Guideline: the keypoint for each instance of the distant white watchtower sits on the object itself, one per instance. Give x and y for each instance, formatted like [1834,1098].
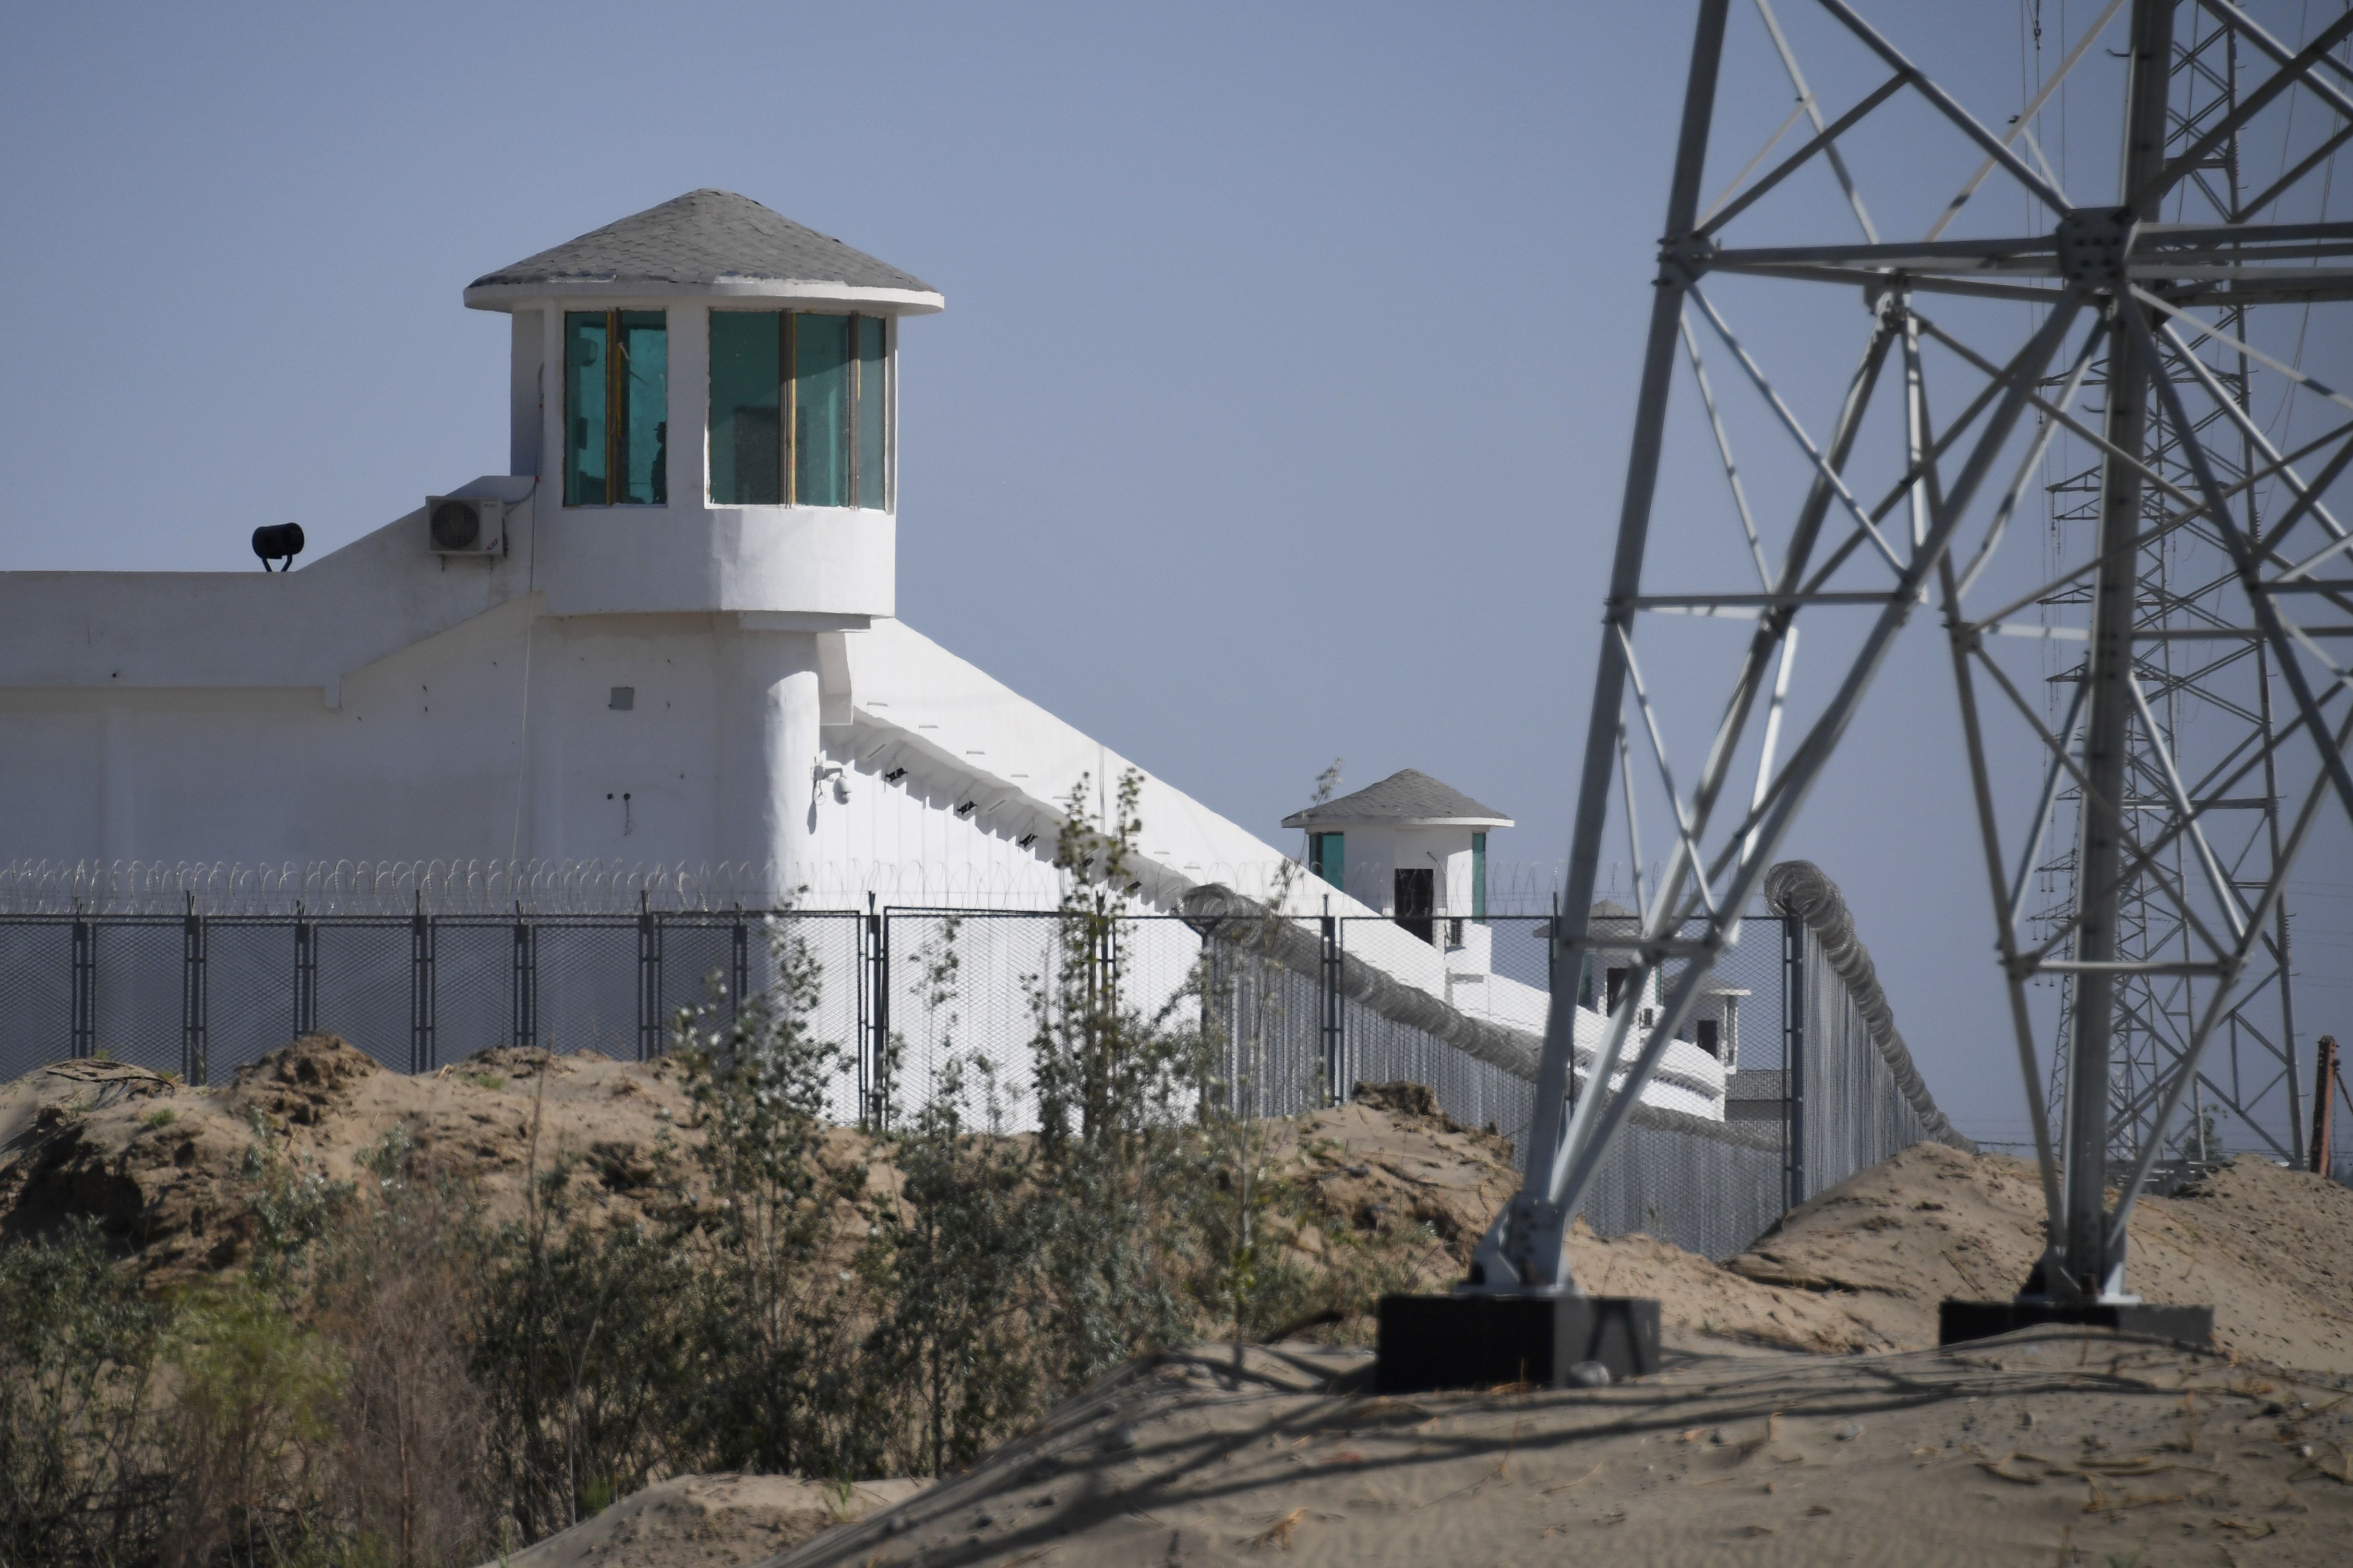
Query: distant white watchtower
[1410,846]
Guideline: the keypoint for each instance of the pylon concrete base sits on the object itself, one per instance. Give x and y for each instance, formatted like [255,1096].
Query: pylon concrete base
[1430,1342]
[1957,1321]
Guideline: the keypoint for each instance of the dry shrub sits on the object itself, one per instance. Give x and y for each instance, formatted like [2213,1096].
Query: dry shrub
[397,1301]
[252,1388]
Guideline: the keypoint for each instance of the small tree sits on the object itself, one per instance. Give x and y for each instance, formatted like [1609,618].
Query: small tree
[584,1352]
[1114,1086]
[249,1418]
[959,1251]
[1249,1283]
[780,1390]
[397,1299]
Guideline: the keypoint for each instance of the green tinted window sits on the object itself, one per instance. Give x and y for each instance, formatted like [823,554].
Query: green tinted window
[584,367]
[1479,877]
[616,407]
[747,453]
[800,409]
[872,412]
[822,377]
[1328,856]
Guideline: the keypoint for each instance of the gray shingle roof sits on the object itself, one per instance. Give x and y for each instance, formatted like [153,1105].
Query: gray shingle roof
[699,238]
[1405,797]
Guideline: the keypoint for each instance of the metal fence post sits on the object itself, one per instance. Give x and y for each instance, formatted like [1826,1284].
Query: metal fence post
[739,965]
[1794,937]
[870,943]
[1333,1091]
[306,975]
[649,966]
[2323,1099]
[871,1089]
[1108,958]
[526,981]
[85,988]
[1208,970]
[192,999]
[422,1045]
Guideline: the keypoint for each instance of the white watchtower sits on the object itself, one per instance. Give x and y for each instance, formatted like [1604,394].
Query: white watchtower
[1410,846]
[705,392]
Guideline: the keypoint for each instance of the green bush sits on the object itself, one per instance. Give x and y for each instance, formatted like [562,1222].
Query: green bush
[81,1475]
[584,1351]
[956,1258]
[254,1398]
[779,1389]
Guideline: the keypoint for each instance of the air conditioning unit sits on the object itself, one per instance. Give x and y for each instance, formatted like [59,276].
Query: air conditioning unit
[465,525]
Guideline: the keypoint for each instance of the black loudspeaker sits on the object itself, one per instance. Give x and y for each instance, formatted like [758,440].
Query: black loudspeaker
[278,542]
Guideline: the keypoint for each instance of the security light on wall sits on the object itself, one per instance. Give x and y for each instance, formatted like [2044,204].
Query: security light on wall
[465,525]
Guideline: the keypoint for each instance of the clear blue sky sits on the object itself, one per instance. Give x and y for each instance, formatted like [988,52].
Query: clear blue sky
[1279,411]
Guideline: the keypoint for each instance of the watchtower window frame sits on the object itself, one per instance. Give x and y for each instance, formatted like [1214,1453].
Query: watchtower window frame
[800,409]
[616,409]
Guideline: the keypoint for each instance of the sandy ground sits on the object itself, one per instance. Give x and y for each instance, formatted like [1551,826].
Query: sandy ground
[709,1522]
[2051,1448]
[1371,1165]
[163,1168]
[2270,1249]
[2046,1448]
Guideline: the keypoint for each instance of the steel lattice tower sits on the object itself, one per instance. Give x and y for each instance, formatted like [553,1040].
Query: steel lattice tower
[2225,691]
[2153,331]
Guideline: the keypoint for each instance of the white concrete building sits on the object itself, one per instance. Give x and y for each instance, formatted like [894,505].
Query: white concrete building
[666,635]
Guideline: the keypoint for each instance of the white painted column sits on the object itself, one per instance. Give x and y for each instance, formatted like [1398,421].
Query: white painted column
[527,387]
[768,755]
[549,502]
[690,405]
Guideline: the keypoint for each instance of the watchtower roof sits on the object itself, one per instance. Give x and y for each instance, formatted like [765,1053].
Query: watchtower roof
[706,242]
[1408,798]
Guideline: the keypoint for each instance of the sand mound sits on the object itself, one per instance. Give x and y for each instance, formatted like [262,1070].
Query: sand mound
[2052,1448]
[162,1167]
[2272,1249]
[715,1521]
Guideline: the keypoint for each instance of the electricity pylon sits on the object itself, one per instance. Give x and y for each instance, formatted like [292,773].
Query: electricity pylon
[2225,690]
[1982,343]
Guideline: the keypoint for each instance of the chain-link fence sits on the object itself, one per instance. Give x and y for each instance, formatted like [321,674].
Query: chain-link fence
[1787,1076]
[201,996]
